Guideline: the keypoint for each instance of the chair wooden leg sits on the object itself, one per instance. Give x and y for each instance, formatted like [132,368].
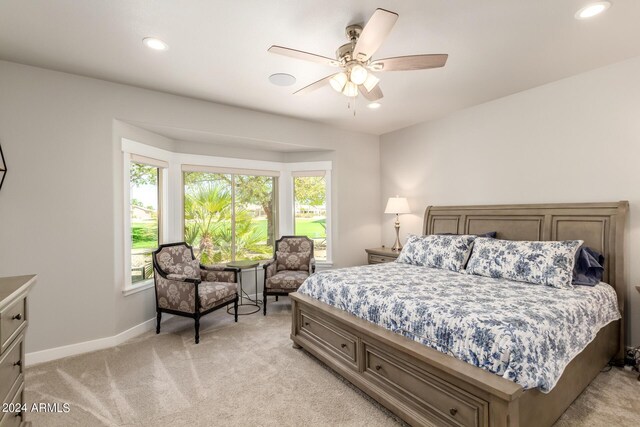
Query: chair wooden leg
[158,320]
[276,297]
[264,303]
[235,308]
[197,318]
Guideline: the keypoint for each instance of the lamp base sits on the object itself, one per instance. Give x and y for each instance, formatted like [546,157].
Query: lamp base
[397,246]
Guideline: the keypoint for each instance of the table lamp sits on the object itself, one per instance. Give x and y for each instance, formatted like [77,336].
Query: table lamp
[397,205]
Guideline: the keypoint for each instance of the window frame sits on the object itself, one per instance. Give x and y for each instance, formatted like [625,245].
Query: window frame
[137,153]
[304,168]
[326,176]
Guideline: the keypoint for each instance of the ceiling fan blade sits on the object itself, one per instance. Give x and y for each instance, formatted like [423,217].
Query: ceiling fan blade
[374,33]
[372,95]
[411,62]
[313,86]
[305,56]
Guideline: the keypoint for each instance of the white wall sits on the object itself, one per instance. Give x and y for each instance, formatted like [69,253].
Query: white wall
[575,140]
[61,205]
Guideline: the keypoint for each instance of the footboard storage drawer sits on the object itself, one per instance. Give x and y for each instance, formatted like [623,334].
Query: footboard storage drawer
[431,397]
[341,342]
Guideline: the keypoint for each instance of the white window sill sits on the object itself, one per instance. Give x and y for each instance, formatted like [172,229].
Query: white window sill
[138,287]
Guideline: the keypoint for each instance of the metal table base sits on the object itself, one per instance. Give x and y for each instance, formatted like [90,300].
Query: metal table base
[255,303]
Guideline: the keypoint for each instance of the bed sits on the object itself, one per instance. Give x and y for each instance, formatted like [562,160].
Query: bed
[429,386]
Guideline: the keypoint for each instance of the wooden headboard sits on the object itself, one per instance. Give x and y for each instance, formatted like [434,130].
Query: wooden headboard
[600,225]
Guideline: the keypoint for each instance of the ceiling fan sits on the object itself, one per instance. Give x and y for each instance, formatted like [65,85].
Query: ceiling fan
[355,59]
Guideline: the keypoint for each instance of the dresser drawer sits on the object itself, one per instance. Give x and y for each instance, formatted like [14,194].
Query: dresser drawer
[12,319]
[378,259]
[343,343]
[10,368]
[427,394]
[13,419]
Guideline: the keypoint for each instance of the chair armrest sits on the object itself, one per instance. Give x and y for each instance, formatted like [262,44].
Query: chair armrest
[269,268]
[268,263]
[219,273]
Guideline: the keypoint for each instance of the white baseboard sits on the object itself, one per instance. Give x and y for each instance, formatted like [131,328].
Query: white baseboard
[101,343]
[93,345]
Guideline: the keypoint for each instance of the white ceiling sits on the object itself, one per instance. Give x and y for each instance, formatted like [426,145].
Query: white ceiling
[218,49]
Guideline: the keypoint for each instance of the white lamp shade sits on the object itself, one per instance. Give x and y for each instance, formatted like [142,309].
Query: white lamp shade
[358,74]
[338,81]
[350,90]
[397,205]
[371,82]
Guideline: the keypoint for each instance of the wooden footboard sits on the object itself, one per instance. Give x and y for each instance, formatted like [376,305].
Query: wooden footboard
[425,387]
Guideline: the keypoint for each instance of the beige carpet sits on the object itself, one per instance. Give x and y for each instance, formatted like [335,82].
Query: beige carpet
[244,374]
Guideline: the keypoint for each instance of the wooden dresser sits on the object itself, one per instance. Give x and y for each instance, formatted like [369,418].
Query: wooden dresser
[379,255]
[13,324]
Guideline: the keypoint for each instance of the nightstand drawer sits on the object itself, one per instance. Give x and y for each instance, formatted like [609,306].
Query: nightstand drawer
[377,259]
[12,319]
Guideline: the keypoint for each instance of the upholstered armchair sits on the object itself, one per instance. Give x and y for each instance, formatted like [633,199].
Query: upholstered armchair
[184,287]
[292,263]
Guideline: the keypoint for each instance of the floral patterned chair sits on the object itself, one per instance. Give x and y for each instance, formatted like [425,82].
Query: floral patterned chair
[184,287]
[292,263]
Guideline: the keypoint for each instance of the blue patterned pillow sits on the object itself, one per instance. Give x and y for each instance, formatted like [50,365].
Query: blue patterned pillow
[545,263]
[437,251]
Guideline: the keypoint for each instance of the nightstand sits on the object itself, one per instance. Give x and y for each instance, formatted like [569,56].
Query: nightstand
[380,255]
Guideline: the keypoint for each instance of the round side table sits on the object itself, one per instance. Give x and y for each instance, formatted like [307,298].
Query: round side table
[255,303]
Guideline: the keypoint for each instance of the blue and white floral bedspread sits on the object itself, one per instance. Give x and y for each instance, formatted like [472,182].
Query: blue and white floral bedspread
[523,332]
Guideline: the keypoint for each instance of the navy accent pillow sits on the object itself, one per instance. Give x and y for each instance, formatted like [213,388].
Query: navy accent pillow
[489,234]
[588,268]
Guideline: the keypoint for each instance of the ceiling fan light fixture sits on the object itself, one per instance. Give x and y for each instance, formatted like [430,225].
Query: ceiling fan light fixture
[358,74]
[350,90]
[370,82]
[338,82]
[593,9]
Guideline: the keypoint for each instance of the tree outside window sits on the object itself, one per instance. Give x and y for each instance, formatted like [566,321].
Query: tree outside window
[229,217]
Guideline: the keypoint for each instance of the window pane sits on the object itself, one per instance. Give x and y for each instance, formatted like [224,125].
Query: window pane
[255,217]
[144,219]
[207,215]
[311,212]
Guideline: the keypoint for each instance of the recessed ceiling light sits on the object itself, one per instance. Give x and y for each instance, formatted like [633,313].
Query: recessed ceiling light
[593,9]
[374,105]
[282,79]
[155,44]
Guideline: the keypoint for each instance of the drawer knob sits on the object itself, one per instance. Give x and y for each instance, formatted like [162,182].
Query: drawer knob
[18,363]
[378,367]
[453,411]
[343,345]
[306,323]
[17,317]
